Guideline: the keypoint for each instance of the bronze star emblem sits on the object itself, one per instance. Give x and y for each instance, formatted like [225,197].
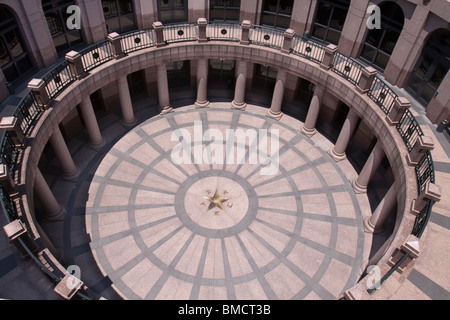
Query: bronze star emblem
[216,201]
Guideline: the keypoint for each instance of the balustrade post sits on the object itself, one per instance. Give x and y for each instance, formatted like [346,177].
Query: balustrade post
[15,230]
[245,32]
[40,93]
[327,62]
[365,81]
[158,27]
[116,46]
[431,192]
[202,23]
[397,111]
[7,182]
[76,64]
[12,126]
[411,246]
[287,42]
[422,145]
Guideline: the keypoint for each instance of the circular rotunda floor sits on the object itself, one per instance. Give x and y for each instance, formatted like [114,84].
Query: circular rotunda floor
[172,215]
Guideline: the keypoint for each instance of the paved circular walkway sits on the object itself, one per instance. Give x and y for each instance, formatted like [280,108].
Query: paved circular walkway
[178,209]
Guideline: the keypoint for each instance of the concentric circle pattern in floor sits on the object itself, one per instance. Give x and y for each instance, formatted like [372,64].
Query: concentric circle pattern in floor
[166,224]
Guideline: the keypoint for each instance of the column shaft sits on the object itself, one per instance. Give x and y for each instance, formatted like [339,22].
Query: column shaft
[239,91]
[277,99]
[69,169]
[53,211]
[338,152]
[202,84]
[126,105]
[163,89]
[370,167]
[376,222]
[90,120]
[309,127]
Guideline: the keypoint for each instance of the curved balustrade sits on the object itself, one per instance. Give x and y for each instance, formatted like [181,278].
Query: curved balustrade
[54,82]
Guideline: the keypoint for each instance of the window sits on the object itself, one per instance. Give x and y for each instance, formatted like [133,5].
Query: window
[221,74]
[14,57]
[277,13]
[431,68]
[56,16]
[119,15]
[264,78]
[179,74]
[225,10]
[171,11]
[380,43]
[329,20]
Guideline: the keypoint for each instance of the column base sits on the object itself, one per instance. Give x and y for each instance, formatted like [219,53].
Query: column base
[201,104]
[97,146]
[357,187]
[275,116]
[72,176]
[369,228]
[337,156]
[166,110]
[237,106]
[307,132]
[129,123]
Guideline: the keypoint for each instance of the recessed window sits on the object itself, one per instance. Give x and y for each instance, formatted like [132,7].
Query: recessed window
[171,11]
[431,68]
[329,20]
[224,10]
[264,77]
[221,73]
[14,57]
[119,15]
[380,43]
[56,16]
[277,13]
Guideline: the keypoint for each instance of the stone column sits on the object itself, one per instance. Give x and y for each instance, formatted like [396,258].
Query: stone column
[239,92]
[53,211]
[202,84]
[163,89]
[90,120]
[70,171]
[309,127]
[375,223]
[338,152]
[373,162]
[128,118]
[277,100]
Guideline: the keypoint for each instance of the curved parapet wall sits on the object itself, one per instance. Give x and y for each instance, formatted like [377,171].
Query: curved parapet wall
[54,96]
